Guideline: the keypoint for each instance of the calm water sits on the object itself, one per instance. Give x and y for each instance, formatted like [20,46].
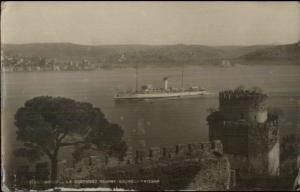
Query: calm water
[163,122]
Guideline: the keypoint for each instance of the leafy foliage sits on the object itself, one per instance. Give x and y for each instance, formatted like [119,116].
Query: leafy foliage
[46,124]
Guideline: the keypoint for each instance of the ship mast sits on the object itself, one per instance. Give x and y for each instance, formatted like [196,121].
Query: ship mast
[182,77]
[136,78]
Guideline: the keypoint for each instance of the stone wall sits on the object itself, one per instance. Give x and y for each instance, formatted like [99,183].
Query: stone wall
[263,149]
[255,141]
[249,134]
[152,154]
[196,166]
[273,160]
[238,104]
[199,166]
[215,175]
[157,153]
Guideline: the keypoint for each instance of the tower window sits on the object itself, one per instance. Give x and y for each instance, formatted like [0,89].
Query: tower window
[164,151]
[90,161]
[190,147]
[106,160]
[242,116]
[177,149]
[150,153]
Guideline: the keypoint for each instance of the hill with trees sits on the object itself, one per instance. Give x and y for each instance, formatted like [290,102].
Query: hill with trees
[280,52]
[158,55]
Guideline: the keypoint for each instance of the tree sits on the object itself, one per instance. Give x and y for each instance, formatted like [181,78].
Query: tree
[256,89]
[240,88]
[46,124]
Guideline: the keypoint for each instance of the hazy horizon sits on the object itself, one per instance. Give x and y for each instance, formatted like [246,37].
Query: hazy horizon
[270,44]
[151,23]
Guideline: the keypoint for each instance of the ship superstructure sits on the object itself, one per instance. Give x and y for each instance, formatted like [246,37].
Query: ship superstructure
[149,92]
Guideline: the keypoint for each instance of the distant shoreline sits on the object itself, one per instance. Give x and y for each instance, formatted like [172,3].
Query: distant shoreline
[73,57]
[157,66]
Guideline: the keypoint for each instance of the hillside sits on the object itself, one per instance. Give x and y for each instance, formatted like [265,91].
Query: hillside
[151,54]
[116,53]
[127,53]
[280,52]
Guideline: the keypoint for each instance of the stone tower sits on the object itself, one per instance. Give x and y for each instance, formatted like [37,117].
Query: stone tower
[250,134]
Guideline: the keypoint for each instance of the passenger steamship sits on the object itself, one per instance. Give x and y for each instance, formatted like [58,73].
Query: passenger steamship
[148,92]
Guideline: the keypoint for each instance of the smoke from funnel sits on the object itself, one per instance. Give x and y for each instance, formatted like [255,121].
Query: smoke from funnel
[165,83]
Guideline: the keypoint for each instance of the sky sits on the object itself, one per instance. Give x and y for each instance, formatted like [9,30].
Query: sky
[205,23]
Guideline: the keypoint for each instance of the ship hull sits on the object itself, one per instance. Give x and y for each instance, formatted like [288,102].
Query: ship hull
[141,96]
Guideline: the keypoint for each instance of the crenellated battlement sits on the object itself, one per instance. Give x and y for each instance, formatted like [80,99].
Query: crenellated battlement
[192,151]
[240,98]
[268,123]
[200,164]
[159,153]
[230,95]
[239,104]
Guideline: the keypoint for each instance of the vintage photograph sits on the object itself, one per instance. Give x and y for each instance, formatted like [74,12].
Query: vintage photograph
[150,96]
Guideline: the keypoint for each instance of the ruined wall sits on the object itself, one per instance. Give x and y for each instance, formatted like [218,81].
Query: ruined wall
[207,173]
[195,166]
[264,148]
[274,162]
[252,147]
[191,166]
[240,164]
[187,150]
[153,154]
[88,168]
[215,175]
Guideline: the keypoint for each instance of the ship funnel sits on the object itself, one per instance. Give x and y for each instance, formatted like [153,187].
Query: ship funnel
[166,82]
